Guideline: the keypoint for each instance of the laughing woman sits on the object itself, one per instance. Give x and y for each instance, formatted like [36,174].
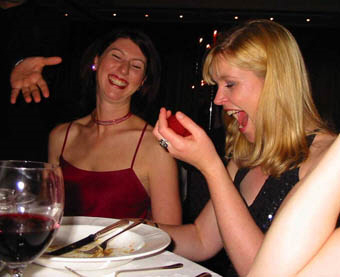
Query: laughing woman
[111,161]
[274,137]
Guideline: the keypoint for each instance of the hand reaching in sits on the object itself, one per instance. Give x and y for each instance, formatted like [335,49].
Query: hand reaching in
[27,77]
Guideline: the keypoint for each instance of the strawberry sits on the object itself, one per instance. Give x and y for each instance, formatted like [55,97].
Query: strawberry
[174,124]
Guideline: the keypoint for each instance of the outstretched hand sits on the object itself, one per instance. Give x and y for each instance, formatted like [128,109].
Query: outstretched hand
[196,149]
[27,77]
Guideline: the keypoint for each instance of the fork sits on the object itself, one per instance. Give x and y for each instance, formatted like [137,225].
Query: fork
[103,245]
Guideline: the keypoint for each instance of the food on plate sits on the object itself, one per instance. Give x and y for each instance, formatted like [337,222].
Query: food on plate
[99,253]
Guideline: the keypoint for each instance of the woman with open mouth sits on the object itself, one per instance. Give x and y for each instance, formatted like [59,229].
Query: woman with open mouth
[274,137]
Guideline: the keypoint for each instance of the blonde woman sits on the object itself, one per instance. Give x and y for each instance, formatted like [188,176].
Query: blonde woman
[274,137]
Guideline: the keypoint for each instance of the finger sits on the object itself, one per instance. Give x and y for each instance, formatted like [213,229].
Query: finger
[52,60]
[43,87]
[163,115]
[155,131]
[168,113]
[35,93]
[187,123]
[14,95]
[27,94]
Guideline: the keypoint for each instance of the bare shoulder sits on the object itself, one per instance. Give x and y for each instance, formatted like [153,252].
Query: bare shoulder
[321,144]
[150,141]
[319,147]
[58,133]
[154,151]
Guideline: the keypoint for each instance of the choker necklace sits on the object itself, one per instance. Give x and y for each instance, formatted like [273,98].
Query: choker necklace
[110,122]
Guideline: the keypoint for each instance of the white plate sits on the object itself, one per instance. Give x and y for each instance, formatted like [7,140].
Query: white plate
[140,241]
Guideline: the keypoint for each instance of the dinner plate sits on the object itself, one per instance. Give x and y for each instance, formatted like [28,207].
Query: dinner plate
[138,242]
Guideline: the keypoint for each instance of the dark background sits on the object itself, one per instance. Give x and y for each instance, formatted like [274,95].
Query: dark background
[65,28]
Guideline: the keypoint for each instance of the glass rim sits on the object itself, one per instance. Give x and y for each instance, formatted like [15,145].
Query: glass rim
[21,164]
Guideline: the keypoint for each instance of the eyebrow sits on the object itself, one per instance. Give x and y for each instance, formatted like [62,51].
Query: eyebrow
[134,59]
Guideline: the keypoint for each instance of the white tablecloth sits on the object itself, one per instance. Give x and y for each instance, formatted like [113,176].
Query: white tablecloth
[189,269]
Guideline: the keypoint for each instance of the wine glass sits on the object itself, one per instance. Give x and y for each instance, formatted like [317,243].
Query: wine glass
[31,208]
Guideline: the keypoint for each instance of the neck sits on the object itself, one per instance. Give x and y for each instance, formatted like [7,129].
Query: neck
[109,122]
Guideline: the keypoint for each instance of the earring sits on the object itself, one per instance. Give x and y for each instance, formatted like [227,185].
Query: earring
[93,67]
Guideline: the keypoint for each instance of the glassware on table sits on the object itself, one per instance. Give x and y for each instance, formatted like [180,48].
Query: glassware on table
[31,208]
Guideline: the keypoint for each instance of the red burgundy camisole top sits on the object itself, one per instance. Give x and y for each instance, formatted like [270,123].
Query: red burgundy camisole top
[114,194]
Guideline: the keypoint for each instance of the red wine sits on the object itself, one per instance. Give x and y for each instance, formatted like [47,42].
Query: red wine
[23,237]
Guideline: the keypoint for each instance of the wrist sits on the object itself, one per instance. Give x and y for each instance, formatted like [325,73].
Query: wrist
[18,62]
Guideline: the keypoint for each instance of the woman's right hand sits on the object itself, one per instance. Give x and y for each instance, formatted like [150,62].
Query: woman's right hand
[196,149]
[27,77]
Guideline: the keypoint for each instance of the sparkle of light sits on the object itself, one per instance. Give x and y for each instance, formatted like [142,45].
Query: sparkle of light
[21,185]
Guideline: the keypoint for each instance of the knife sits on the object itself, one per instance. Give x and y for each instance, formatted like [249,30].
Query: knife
[88,239]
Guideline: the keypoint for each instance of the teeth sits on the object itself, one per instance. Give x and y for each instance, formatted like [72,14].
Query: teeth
[117,82]
[231,113]
[234,114]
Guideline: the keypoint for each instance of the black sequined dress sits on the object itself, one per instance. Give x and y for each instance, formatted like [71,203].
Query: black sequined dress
[270,197]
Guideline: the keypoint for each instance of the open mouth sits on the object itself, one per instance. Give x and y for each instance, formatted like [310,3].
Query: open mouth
[117,81]
[240,116]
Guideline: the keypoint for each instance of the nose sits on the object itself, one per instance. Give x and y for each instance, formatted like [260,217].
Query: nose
[220,97]
[124,67]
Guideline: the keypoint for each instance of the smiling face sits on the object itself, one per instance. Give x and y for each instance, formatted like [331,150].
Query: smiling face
[238,92]
[120,70]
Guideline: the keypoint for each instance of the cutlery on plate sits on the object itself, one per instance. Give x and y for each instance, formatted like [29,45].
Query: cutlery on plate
[171,266]
[103,245]
[88,239]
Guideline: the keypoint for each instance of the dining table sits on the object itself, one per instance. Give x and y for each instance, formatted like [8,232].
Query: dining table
[159,258]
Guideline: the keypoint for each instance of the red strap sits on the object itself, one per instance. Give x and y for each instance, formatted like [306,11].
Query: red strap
[66,135]
[139,142]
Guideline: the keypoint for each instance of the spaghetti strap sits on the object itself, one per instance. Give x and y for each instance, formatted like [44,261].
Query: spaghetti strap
[66,135]
[139,142]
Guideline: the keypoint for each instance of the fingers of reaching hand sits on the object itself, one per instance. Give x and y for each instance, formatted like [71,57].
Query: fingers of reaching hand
[35,93]
[32,91]
[52,60]
[26,92]
[43,88]
[14,95]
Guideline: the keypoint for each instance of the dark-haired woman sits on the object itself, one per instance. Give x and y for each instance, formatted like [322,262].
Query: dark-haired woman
[112,164]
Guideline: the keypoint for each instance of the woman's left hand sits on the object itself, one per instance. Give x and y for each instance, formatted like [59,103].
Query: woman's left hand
[196,149]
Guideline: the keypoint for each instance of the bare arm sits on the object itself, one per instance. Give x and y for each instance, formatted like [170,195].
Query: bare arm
[240,234]
[55,142]
[27,77]
[302,241]
[200,240]
[164,187]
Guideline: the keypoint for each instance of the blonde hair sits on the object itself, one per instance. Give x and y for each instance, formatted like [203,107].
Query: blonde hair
[285,109]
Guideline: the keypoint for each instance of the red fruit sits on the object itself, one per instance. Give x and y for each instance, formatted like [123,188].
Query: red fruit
[174,124]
